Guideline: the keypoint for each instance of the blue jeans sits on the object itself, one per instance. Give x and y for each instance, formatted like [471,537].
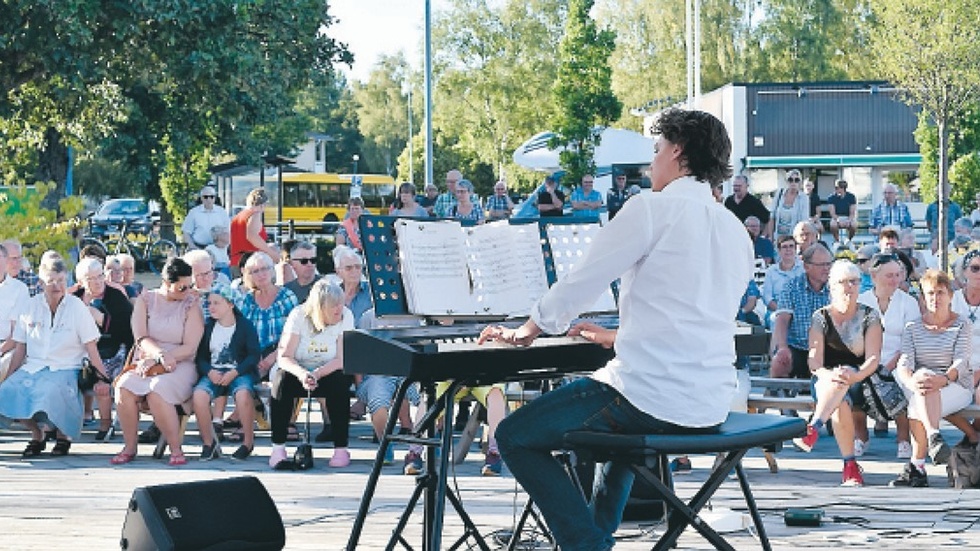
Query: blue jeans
[528,436]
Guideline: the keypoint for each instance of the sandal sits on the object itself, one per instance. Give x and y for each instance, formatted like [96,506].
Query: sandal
[61,447]
[122,458]
[292,433]
[177,459]
[34,448]
[232,424]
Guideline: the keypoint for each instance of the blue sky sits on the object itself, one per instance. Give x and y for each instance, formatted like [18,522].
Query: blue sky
[375,27]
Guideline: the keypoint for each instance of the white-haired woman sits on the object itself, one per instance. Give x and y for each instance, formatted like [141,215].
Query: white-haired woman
[112,312]
[845,344]
[896,308]
[311,360]
[52,336]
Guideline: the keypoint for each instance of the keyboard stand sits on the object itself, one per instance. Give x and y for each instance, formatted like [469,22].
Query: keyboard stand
[432,485]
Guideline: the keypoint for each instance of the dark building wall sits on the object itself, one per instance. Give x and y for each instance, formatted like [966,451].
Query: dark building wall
[850,118]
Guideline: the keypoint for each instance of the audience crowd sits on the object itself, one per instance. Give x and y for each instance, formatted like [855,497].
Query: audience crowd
[200,337]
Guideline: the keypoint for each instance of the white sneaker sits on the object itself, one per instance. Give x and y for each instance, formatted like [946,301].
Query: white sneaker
[904,450]
[860,446]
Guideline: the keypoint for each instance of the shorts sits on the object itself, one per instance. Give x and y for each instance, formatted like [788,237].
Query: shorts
[242,382]
[478,392]
[377,391]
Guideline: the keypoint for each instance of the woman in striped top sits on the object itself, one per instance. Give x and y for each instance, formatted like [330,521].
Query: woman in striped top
[934,371]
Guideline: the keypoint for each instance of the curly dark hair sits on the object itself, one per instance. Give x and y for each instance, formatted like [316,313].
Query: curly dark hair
[174,269]
[704,140]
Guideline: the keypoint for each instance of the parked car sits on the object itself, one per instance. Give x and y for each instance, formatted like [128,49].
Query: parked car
[111,214]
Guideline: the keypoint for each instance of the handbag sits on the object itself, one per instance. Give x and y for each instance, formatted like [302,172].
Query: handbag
[883,397]
[130,365]
[303,458]
[963,468]
[89,376]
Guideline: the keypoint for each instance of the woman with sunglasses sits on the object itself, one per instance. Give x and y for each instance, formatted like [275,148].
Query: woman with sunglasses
[966,303]
[167,326]
[845,344]
[934,372]
[896,308]
[791,207]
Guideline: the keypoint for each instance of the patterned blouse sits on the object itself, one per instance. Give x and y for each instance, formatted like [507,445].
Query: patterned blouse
[269,322]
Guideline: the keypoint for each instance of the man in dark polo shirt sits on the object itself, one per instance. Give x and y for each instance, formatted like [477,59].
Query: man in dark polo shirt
[743,204]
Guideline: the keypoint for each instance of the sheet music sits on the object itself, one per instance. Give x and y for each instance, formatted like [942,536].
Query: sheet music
[569,243]
[433,260]
[504,268]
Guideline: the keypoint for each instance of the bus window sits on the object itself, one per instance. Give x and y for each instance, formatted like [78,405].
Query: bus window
[290,195]
[334,194]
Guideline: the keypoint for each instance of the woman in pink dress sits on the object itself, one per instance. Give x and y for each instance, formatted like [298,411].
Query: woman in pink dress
[167,324]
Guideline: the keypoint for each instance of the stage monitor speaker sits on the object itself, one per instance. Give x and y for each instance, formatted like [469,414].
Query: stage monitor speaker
[214,515]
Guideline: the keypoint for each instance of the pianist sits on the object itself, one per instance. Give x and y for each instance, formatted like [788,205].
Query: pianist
[684,261]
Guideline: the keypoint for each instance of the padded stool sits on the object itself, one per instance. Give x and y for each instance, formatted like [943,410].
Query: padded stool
[647,453]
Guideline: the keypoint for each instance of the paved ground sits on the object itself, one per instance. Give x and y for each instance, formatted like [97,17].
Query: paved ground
[79,501]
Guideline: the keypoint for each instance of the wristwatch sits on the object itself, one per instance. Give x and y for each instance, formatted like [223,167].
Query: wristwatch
[160,358]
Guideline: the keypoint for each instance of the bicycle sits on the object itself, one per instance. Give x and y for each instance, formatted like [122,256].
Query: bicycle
[149,248]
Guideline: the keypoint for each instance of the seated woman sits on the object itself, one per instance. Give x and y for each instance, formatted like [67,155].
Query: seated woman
[934,372]
[167,325]
[112,312]
[465,209]
[845,344]
[51,337]
[227,361]
[311,360]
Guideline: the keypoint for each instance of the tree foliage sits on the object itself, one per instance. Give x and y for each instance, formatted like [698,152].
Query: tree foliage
[929,48]
[38,228]
[583,92]
[382,114]
[201,74]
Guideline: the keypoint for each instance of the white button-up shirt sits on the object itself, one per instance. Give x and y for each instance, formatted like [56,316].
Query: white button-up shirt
[13,299]
[55,341]
[199,221]
[685,262]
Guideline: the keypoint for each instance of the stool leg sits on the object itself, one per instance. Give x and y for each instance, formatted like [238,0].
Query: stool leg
[753,509]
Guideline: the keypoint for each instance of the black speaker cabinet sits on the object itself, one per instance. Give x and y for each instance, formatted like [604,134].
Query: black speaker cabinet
[216,515]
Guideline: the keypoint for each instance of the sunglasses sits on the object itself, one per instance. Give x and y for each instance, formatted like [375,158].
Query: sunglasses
[305,261]
[885,259]
[793,179]
[207,197]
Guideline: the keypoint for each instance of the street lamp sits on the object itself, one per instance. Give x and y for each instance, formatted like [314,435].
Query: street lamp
[355,158]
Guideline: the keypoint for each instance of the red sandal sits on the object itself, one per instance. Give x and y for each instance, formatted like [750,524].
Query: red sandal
[122,458]
[177,459]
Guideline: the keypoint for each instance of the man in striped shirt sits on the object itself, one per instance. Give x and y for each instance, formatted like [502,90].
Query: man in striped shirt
[890,212]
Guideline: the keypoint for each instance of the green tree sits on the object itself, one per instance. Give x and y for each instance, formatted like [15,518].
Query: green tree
[583,92]
[38,228]
[494,64]
[929,47]
[382,113]
[200,74]
[97,178]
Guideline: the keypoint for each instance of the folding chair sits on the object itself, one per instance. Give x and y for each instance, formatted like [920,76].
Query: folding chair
[648,455]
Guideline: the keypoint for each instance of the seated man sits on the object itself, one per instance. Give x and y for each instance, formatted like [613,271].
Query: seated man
[763,246]
[843,211]
[672,372]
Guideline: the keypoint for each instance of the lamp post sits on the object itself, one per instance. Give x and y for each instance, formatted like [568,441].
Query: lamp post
[355,158]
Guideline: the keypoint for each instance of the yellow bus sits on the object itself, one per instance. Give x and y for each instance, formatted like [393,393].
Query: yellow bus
[322,197]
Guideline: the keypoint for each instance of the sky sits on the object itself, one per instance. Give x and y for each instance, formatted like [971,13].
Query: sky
[371,28]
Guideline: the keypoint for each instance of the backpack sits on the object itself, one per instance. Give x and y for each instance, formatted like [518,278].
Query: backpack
[963,468]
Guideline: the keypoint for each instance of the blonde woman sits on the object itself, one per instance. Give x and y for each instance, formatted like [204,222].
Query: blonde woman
[845,345]
[311,361]
[791,207]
